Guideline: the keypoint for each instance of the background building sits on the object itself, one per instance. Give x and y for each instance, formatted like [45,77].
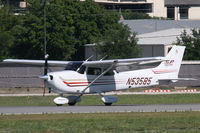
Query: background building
[15,3]
[183,9]
[159,43]
[152,44]
[155,37]
[172,9]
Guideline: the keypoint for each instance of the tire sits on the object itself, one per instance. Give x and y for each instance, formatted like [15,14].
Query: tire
[72,104]
[59,104]
[108,104]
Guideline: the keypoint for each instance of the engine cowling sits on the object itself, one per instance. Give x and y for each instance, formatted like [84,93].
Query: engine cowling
[108,100]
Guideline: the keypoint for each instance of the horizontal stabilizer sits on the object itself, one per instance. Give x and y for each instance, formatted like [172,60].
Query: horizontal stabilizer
[189,79]
[175,80]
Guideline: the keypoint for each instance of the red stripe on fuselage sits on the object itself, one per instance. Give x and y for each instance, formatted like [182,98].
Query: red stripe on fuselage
[78,84]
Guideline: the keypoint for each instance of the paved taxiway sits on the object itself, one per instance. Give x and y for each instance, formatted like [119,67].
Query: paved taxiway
[99,109]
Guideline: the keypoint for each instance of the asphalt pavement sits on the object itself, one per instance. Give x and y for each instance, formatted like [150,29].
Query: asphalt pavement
[99,109]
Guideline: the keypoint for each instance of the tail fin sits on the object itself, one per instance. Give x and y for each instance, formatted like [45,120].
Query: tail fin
[169,68]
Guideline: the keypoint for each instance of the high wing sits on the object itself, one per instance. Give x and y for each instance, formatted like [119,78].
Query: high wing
[100,63]
[35,62]
[123,62]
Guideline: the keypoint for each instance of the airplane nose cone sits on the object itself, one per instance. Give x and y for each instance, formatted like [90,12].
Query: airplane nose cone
[44,77]
[47,77]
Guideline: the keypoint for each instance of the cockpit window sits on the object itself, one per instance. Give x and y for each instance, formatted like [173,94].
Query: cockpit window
[81,70]
[74,65]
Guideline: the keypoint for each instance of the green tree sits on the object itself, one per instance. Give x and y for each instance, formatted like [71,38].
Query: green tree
[8,21]
[128,14]
[118,42]
[70,25]
[192,43]
[29,41]
[91,22]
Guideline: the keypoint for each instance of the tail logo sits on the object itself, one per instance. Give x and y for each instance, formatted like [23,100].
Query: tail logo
[169,62]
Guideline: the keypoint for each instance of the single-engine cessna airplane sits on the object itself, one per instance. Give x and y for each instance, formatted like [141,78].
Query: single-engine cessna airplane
[102,76]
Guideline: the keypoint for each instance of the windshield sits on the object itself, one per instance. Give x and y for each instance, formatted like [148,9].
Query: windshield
[74,65]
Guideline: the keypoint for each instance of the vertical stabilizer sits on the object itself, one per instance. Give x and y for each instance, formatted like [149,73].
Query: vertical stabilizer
[169,68]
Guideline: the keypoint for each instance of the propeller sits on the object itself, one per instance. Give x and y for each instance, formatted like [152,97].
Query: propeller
[45,77]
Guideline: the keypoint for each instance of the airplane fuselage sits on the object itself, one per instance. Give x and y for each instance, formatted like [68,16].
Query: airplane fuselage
[74,82]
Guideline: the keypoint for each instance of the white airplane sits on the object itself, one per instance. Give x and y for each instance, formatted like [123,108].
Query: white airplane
[102,76]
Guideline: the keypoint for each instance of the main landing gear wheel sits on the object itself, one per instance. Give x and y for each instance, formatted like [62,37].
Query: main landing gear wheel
[72,104]
[59,105]
[108,100]
[108,104]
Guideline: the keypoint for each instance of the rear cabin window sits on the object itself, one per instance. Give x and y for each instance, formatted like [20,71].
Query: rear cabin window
[98,71]
[94,71]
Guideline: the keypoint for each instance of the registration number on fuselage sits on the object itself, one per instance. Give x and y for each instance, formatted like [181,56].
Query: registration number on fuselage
[139,81]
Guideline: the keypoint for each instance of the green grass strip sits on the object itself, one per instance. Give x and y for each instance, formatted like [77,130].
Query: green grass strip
[96,100]
[178,122]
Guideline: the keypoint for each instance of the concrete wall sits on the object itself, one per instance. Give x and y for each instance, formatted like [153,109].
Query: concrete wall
[193,13]
[152,50]
[189,71]
[24,77]
[159,9]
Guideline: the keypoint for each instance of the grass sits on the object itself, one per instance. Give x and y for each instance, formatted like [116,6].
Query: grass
[96,100]
[178,122]
[157,122]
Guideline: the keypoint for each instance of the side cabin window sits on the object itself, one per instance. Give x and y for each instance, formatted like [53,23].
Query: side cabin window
[98,71]
[93,71]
